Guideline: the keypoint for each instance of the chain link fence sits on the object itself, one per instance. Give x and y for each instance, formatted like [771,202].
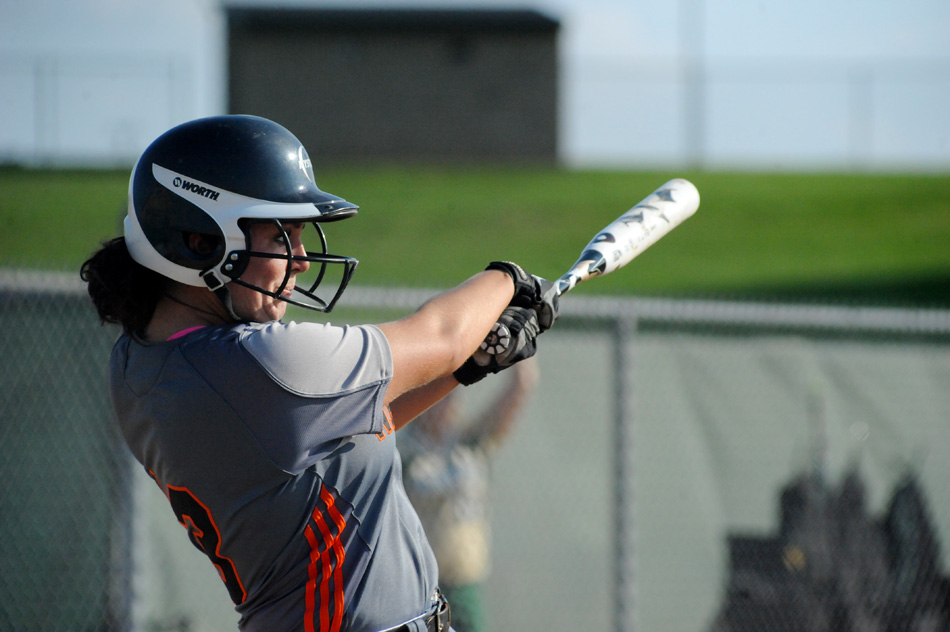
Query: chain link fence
[683,466]
[65,506]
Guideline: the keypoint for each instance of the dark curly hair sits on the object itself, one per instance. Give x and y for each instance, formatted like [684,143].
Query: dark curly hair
[123,291]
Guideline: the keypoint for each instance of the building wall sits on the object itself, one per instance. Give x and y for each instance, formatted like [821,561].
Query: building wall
[386,85]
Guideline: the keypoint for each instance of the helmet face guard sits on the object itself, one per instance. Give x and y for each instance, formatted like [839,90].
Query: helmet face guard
[317,288]
[217,176]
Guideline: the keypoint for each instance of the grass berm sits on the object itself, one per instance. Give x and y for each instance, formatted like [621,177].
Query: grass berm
[830,237]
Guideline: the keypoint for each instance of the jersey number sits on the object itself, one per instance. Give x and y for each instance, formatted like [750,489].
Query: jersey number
[204,534]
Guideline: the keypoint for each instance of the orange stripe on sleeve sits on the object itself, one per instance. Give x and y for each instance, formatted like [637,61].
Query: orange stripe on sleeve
[339,552]
[326,561]
[312,581]
[325,581]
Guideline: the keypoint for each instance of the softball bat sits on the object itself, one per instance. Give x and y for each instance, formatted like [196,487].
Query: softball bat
[622,241]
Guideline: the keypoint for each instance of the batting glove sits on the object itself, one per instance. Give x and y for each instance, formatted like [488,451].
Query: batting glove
[519,328]
[531,291]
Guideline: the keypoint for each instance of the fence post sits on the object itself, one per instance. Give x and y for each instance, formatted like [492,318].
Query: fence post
[625,326]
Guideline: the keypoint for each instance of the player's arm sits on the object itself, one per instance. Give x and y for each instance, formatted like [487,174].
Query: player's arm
[410,405]
[437,338]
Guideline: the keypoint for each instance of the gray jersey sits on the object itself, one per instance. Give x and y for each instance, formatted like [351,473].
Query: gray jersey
[275,450]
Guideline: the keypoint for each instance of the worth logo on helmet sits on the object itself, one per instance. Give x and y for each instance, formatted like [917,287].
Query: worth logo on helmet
[197,189]
[304,164]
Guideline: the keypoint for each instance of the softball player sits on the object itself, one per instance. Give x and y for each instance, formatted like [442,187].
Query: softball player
[273,441]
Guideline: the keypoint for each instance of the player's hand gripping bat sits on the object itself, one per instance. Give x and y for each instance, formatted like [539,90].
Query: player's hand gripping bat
[621,241]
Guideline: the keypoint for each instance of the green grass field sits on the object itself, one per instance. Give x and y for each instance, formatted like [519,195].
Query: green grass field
[868,238]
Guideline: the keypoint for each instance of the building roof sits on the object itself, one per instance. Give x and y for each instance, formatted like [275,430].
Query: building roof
[390,20]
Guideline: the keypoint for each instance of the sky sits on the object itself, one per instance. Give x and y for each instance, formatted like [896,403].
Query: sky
[810,83]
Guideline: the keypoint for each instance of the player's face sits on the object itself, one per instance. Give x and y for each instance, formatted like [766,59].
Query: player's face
[268,273]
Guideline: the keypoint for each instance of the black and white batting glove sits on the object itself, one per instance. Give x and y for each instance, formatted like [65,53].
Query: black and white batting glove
[548,304]
[517,330]
[531,291]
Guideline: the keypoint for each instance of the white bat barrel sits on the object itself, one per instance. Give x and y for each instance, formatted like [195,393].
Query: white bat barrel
[633,232]
[619,243]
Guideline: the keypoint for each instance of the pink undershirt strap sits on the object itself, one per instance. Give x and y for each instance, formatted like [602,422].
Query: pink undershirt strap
[185,332]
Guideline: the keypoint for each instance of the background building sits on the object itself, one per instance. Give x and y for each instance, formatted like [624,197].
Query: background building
[709,83]
[422,84]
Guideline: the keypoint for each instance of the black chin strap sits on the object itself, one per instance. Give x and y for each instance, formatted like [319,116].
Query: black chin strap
[224,295]
[221,290]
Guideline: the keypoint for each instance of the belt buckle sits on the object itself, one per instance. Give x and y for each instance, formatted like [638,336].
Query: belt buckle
[442,617]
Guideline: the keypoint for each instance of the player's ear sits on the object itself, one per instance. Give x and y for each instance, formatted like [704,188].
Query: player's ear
[203,246]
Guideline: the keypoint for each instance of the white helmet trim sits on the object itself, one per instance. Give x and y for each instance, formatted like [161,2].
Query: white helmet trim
[222,206]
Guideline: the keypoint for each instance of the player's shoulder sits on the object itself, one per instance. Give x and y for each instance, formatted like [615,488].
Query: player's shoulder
[295,348]
[293,334]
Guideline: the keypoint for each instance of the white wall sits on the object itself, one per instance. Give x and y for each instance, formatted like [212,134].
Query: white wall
[716,83]
[94,81]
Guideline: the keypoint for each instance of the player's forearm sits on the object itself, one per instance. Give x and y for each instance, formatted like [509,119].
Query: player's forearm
[438,337]
[410,405]
[463,316]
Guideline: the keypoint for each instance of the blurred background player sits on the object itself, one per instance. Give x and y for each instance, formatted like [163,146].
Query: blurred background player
[446,473]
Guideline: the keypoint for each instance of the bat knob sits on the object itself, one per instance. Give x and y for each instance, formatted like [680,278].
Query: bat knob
[497,340]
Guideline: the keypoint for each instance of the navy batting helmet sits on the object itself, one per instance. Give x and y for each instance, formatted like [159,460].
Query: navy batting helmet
[213,177]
